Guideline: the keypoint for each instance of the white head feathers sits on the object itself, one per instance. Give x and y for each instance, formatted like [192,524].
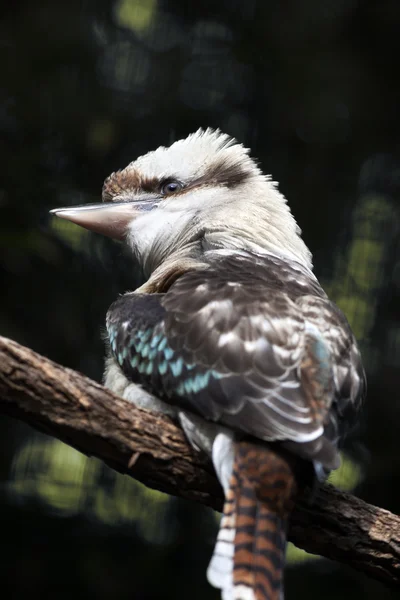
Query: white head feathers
[223,201]
[195,155]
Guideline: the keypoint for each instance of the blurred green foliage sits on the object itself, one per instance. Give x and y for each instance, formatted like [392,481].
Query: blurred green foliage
[137,16]
[313,88]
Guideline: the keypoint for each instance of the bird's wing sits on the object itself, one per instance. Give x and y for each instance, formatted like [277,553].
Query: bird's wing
[251,342]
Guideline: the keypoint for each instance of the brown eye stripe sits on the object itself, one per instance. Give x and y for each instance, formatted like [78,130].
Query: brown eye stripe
[120,181]
[227,173]
[130,181]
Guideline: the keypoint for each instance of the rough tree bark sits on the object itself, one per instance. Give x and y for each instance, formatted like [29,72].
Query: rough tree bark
[151,448]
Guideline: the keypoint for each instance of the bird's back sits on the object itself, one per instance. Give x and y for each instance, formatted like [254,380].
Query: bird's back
[251,342]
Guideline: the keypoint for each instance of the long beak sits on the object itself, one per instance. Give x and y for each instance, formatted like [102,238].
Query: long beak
[111,219]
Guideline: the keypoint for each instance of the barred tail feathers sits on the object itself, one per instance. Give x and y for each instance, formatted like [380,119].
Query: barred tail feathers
[220,570]
[249,555]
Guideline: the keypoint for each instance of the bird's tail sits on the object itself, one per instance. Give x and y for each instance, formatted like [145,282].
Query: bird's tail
[249,555]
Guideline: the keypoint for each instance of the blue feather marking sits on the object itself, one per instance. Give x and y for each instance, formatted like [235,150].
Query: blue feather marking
[197,383]
[153,353]
[154,341]
[162,368]
[145,346]
[176,367]
[149,368]
[122,355]
[168,353]
[142,367]
[145,351]
[134,361]
[145,334]
[322,355]
[139,346]
[321,352]
[143,339]
[163,343]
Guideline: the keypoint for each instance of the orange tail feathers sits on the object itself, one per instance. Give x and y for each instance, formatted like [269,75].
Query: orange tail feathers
[249,556]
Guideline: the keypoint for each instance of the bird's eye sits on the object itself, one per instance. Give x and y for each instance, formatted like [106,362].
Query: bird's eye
[170,187]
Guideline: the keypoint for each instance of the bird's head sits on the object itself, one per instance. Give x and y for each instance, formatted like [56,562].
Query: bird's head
[200,194]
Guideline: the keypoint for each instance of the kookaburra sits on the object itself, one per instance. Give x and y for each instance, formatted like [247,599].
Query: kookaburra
[233,334]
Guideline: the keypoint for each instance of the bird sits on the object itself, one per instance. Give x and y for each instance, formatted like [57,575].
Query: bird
[233,336]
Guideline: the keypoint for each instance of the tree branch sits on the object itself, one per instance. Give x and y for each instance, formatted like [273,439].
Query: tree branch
[151,448]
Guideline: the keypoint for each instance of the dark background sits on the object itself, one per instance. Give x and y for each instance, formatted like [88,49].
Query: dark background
[314,89]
